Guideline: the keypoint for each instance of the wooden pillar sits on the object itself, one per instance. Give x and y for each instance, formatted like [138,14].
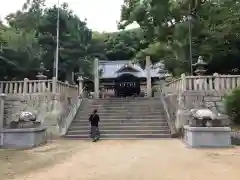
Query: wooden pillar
[148,73]
[96,78]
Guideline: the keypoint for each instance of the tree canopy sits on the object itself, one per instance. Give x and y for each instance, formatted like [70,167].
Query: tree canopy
[214,27]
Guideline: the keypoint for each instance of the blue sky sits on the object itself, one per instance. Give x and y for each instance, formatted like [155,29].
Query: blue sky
[101,15]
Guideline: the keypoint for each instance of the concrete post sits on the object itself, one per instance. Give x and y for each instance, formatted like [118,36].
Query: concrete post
[96,78]
[162,83]
[2,98]
[80,86]
[149,80]
[25,86]
[216,81]
[184,82]
[54,92]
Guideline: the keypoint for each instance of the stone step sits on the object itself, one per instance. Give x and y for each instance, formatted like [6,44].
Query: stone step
[113,128]
[120,107]
[124,119]
[72,132]
[101,113]
[123,109]
[130,118]
[121,123]
[125,114]
[125,102]
[127,99]
[121,136]
[105,111]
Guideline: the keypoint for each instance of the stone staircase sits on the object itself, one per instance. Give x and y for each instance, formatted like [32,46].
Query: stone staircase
[129,118]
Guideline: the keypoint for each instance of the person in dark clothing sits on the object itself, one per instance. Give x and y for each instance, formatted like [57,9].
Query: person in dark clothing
[94,120]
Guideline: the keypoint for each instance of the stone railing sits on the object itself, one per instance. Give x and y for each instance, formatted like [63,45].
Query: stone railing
[175,86]
[215,82]
[203,83]
[26,86]
[54,102]
[69,103]
[169,111]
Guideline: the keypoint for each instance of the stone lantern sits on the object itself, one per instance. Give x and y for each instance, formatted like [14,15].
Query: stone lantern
[200,66]
[200,71]
[41,76]
[41,70]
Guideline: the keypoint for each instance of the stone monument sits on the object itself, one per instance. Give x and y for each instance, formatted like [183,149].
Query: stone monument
[26,131]
[206,130]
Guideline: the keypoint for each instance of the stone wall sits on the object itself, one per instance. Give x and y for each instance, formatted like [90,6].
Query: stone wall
[180,104]
[199,99]
[54,111]
[213,100]
[39,104]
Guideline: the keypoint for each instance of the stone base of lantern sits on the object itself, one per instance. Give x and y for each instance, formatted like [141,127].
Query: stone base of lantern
[207,137]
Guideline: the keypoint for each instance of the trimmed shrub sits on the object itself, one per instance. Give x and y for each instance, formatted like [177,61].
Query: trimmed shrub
[232,105]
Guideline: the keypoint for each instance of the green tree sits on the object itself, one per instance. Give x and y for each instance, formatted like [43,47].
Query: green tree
[74,38]
[20,53]
[214,30]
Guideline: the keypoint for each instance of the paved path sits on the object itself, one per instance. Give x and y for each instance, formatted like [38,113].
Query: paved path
[136,160]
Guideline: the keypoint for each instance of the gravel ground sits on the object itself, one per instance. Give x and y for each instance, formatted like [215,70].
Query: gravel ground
[120,160]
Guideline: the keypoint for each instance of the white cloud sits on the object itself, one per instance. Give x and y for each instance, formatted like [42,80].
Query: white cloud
[102,15]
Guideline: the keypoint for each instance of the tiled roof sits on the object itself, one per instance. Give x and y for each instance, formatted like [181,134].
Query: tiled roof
[110,68]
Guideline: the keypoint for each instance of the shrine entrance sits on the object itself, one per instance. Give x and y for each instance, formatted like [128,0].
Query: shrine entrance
[127,85]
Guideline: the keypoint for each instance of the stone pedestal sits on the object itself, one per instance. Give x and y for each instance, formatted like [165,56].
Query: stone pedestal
[23,138]
[208,137]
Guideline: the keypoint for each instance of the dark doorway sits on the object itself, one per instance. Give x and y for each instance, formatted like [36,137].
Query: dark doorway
[127,85]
